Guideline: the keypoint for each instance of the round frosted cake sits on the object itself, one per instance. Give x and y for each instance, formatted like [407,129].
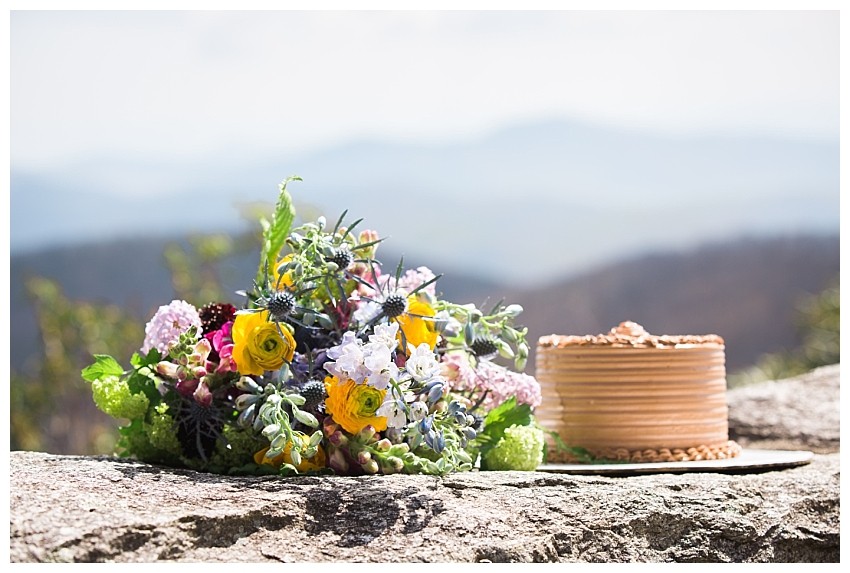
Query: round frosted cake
[632,396]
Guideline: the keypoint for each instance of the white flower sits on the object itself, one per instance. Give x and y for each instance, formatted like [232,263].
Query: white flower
[349,360]
[378,361]
[385,334]
[394,407]
[422,364]
[335,352]
[366,312]
[418,410]
[394,412]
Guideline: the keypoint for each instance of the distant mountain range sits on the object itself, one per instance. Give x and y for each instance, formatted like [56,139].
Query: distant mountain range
[523,205]
[745,290]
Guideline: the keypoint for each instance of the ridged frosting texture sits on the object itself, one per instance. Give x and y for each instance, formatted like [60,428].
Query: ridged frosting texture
[630,389]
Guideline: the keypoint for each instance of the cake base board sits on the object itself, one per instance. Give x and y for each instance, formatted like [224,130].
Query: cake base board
[747,461]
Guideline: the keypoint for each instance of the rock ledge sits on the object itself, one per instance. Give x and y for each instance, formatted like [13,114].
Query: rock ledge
[93,509]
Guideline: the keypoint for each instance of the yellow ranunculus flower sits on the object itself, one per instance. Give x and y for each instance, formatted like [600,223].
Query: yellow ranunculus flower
[353,405]
[280,282]
[257,344]
[417,330]
[317,462]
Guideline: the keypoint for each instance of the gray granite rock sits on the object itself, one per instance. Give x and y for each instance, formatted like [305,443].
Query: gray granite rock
[68,508]
[797,413]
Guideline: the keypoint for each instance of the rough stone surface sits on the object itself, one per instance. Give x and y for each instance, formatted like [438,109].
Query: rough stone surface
[72,508]
[797,413]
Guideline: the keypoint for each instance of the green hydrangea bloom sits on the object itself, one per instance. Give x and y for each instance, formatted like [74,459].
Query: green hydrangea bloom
[161,432]
[243,445]
[521,448]
[112,395]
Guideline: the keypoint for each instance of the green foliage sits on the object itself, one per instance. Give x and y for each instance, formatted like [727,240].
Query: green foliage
[520,448]
[818,320]
[48,400]
[104,366]
[194,270]
[276,231]
[498,420]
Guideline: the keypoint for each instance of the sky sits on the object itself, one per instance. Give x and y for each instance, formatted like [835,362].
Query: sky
[198,84]
[123,113]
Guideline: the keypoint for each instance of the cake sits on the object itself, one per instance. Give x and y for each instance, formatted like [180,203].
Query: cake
[632,396]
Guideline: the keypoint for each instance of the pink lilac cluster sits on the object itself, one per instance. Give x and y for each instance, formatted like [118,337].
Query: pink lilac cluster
[499,382]
[410,280]
[169,322]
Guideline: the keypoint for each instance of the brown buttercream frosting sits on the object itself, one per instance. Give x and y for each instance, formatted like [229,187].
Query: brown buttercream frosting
[629,334]
[635,392]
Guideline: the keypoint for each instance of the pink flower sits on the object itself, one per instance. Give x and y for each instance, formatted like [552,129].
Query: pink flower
[222,344]
[169,322]
[410,281]
[499,382]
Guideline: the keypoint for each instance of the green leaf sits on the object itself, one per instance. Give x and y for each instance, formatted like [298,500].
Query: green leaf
[276,231]
[500,418]
[152,358]
[104,365]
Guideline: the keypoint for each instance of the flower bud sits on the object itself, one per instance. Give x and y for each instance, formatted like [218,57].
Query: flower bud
[315,439]
[295,456]
[513,310]
[367,433]
[435,393]
[279,443]
[271,430]
[305,418]
[245,400]
[337,461]
[504,350]
[395,463]
[440,442]
[329,426]
[383,445]
[247,384]
[371,467]
[338,438]
[363,457]
[168,369]
[244,419]
[399,449]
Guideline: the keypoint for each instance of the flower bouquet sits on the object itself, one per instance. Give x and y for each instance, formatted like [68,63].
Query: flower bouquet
[333,365]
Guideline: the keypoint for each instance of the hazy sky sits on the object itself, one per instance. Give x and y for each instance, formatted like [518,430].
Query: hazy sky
[186,85]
